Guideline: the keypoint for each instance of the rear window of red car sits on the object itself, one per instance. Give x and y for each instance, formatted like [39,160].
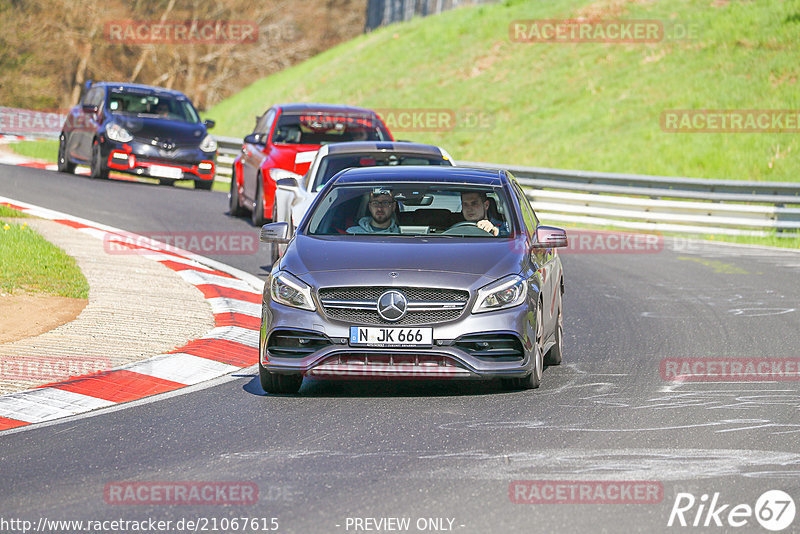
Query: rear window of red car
[325,128]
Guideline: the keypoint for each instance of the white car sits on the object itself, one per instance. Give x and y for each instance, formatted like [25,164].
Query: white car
[294,194]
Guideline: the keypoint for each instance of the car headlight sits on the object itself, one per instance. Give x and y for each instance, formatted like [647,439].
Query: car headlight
[291,291]
[277,174]
[209,144]
[115,132]
[504,293]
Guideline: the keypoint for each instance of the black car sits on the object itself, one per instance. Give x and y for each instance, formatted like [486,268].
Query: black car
[141,130]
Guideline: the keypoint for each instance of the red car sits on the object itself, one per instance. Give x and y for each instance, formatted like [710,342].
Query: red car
[283,145]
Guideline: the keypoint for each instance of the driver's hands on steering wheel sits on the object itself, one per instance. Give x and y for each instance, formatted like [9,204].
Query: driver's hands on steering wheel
[487,226]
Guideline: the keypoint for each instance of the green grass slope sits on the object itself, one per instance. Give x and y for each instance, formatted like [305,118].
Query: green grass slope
[592,106]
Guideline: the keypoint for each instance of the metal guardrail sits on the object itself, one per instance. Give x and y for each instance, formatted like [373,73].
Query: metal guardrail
[651,203]
[228,149]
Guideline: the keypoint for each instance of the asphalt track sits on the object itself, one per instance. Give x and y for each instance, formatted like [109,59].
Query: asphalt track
[344,450]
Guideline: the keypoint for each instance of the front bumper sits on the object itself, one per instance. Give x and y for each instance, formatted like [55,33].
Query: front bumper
[144,159]
[333,356]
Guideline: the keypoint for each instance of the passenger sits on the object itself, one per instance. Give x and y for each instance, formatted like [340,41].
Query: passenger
[162,109]
[381,219]
[475,208]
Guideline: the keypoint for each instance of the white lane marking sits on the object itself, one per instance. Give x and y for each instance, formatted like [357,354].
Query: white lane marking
[197,278]
[234,333]
[226,305]
[94,232]
[243,373]
[759,312]
[38,405]
[182,368]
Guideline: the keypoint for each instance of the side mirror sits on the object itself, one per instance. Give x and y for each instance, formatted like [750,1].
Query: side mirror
[550,237]
[209,123]
[254,139]
[287,183]
[275,233]
[89,108]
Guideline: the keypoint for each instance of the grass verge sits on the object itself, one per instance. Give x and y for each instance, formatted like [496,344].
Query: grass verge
[44,149]
[30,263]
[589,106]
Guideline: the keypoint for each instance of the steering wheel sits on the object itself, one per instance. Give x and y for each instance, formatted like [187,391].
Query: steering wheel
[466,228]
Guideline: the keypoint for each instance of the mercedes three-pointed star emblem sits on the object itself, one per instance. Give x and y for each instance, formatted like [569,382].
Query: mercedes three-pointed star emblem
[392,305]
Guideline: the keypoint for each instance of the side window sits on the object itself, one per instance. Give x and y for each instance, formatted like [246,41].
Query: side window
[527,211]
[264,123]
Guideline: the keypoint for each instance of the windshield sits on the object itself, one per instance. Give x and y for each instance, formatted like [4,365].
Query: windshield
[332,164]
[323,129]
[142,104]
[412,209]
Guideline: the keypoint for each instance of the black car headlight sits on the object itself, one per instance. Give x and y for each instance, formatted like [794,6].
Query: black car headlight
[504,293]
[117,133]
[291,291]
[209,144]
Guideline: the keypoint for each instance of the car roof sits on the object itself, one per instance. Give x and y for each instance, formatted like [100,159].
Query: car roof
[411,173]
[323,108]
[138,87]
[383,146]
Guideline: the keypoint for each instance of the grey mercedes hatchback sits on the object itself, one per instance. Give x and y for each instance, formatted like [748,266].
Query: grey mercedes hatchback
[414,272]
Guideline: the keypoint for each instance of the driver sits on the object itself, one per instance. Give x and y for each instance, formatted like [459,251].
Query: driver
[381,219]
[475,209]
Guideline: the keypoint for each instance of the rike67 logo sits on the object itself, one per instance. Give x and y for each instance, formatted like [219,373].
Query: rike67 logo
[774,510]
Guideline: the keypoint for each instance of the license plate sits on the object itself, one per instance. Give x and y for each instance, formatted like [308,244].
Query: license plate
[165,172]
[376,336]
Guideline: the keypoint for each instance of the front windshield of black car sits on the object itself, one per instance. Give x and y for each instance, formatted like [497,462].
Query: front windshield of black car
[334,163]
[322,129]
[153,105]
[429,209]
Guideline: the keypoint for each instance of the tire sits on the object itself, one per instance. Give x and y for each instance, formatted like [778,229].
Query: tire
[64,164]
[204,185]
[279,384]
[98,170]
[234,207]
[554,354]
[257,215]
[534,379]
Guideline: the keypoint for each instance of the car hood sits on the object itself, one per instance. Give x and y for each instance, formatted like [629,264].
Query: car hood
[177,132]
[367,260]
